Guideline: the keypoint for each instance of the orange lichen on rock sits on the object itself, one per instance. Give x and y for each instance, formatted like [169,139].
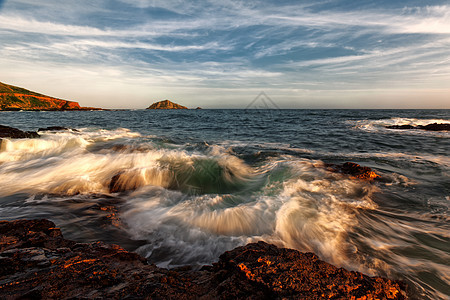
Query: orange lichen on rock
[37,262]
[354,170]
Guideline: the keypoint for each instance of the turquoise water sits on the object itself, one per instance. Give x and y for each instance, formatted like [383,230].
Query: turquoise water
[195,183]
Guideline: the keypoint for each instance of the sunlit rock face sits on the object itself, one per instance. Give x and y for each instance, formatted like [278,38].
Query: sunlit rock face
[37,262]
[16,98]
[166,104]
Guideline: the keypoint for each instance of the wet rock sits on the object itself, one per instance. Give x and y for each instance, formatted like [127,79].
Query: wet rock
[401,127]
[266,271]
[124,181]
[436,127]
[429,127]
[354,170]
[10,132]
[37,262]
[56,128]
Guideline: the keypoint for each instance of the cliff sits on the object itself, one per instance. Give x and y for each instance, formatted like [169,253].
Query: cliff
[36,262]
[166,104]
[16,98]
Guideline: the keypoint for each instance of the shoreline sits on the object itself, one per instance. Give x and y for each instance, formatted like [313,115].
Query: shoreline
[37,262]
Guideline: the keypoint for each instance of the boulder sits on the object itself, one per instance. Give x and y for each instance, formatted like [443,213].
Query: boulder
[37,262]
[354,170]
[10,132]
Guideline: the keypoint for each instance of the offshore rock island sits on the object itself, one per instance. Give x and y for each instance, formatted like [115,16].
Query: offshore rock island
[166,104]
[17,98]
[37,262]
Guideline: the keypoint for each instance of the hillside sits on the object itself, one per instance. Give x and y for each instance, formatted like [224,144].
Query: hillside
[17,98]
[166,104]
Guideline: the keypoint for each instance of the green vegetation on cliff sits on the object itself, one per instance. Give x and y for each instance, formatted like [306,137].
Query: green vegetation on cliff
[17,98]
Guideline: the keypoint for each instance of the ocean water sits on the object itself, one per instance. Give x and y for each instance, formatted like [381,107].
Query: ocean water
[192,184]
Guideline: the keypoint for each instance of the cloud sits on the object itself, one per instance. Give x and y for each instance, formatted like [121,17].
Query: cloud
[211,44]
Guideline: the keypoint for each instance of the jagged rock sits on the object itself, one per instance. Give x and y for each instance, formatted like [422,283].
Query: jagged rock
[37,262]
[429,127]
[266,271]
[166,104]
[354,170]
[10,132]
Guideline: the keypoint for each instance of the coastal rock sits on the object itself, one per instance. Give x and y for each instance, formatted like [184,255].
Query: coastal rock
[37,262]
[354,170]
[10,132]
[16,98]
[429,127]
[56,128]
[166,104]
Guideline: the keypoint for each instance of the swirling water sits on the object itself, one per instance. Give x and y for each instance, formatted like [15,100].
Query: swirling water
[195,183]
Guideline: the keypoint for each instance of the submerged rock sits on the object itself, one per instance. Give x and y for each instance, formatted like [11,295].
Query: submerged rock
[37,262]
[429,127]
[354,170]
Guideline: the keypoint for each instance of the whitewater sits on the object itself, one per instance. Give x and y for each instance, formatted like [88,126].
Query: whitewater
[181,187]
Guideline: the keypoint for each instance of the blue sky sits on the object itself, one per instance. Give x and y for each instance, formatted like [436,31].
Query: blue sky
[222,54]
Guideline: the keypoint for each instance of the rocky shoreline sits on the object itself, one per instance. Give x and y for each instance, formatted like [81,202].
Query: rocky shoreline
[37,262]
[428,127]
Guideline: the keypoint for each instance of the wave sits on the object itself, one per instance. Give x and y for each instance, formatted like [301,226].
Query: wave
[197,204]
[312,211]
[380,125]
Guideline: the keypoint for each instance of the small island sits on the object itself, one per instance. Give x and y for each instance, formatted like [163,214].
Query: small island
[166,104]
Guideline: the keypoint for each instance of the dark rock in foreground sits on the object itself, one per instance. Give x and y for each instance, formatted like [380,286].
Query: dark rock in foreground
[429,127]
[354,170]
[37,262]
[10,132]
[166,104]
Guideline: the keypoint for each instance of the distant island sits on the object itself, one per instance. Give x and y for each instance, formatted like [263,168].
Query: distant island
[17,98]
[166,104]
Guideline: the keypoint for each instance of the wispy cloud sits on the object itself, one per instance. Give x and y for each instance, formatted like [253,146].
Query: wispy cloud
[209,44]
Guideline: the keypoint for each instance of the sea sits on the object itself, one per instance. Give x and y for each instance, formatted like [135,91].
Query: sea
[181,187]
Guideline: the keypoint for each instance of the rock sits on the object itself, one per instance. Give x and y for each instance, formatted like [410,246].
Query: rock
[429,127]
[266,271]
[354,170]
[10,132]
[436,127]
[56,128]
[37,262]
[401,127]
[198,107]
[166,104]
[17,98]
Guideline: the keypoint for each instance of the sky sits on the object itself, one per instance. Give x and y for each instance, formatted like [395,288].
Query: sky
[222,54]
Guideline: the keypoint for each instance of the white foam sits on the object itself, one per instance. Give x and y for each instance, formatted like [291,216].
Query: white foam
[380,125]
